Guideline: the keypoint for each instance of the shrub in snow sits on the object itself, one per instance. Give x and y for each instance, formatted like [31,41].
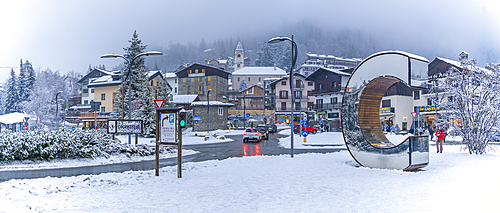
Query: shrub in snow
[48,145]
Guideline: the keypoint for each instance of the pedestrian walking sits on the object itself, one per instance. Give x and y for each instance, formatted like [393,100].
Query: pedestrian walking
[440,139]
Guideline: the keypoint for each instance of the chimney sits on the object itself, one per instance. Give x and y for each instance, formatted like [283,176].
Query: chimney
[206,62]
[275,66]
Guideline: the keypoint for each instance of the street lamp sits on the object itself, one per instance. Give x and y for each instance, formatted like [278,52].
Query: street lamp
[130,62]
[294,59]
[208,111]
[57,109]
[244,111]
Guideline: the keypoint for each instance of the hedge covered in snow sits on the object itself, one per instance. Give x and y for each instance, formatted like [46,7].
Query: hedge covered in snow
[62,144]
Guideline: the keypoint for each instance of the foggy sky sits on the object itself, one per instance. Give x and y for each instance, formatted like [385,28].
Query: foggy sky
[70,35]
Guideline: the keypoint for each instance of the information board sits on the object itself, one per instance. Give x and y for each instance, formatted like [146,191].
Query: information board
[129,127]
[112,127]
[167,128]
[125,126]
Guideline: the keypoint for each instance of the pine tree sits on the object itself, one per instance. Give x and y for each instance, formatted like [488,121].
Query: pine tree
[284,57]
[264,56]
[141,96]
[12,94]
[29,81]
[164,93]
[23,92]
[243,85]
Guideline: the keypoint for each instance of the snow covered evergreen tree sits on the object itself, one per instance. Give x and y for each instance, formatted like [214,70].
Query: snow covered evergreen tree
[25,82]
[472,108]
[265,56]
[12,100]
[21,88]
[285,57]
[145,108]
[243,85]
[29,81]
[164,93]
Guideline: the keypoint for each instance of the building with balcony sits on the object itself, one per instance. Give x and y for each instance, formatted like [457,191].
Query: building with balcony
[251,101]
[328,90]
[198,79]
[283,97]
[88,93]
[336,62]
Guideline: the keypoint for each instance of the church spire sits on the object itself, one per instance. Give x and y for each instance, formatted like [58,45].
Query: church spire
[239,57]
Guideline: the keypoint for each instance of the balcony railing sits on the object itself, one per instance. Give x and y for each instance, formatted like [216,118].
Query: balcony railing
[304,97]
[326,106]
[328,91]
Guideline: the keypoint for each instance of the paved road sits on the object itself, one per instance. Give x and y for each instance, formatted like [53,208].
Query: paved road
[206,152]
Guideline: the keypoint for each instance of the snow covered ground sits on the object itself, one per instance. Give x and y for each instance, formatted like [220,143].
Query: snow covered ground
[454,181]
[314,141]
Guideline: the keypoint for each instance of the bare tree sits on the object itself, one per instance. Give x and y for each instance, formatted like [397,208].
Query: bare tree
[472,106]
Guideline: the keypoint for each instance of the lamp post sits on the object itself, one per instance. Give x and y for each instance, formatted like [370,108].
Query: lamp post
[208,111]
[294,59]
[130,62]
[244,111]
[57,110]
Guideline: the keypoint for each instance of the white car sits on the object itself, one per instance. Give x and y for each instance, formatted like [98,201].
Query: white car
[252,134]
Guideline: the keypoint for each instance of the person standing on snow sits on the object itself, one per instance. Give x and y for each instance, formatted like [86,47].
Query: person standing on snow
[440,139]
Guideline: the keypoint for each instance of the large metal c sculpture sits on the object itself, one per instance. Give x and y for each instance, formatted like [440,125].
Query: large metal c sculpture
[361,124]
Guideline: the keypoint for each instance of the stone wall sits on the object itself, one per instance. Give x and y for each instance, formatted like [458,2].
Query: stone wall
[216,121]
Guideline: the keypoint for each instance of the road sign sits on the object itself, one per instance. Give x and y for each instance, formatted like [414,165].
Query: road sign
[248,115]
[159,103]
[418,110]
[73,128]
[413,114]
[304,133]
[195,121]
[320,121]
[167,128]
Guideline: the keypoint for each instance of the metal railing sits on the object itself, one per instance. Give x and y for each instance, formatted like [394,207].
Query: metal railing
[326,106]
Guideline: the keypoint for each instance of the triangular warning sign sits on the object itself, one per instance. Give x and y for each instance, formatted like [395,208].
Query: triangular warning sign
[159,103]
[413,114]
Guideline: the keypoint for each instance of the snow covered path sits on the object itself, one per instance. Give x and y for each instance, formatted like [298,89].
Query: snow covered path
[453,182]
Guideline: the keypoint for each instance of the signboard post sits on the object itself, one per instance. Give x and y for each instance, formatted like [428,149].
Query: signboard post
[125,127]
[168,132]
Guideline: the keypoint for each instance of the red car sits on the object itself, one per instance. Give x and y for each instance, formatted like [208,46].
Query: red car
[308,128]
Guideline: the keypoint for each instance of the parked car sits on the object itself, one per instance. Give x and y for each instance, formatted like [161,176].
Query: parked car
[271,127]
[252,134]
[495,136]
[308,128]
[263,131]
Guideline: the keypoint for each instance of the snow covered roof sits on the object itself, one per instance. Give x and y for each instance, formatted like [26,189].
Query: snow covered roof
[449,61]
[13,118]
[104,80]
[184,99]
[336,71]
[153,74]
[84,106]
[170,75]
[212,103]
[260,71]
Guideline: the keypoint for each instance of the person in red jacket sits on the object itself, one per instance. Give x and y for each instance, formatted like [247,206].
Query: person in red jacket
[440,138]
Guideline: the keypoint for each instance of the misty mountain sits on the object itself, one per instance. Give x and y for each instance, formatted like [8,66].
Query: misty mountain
[341,42]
